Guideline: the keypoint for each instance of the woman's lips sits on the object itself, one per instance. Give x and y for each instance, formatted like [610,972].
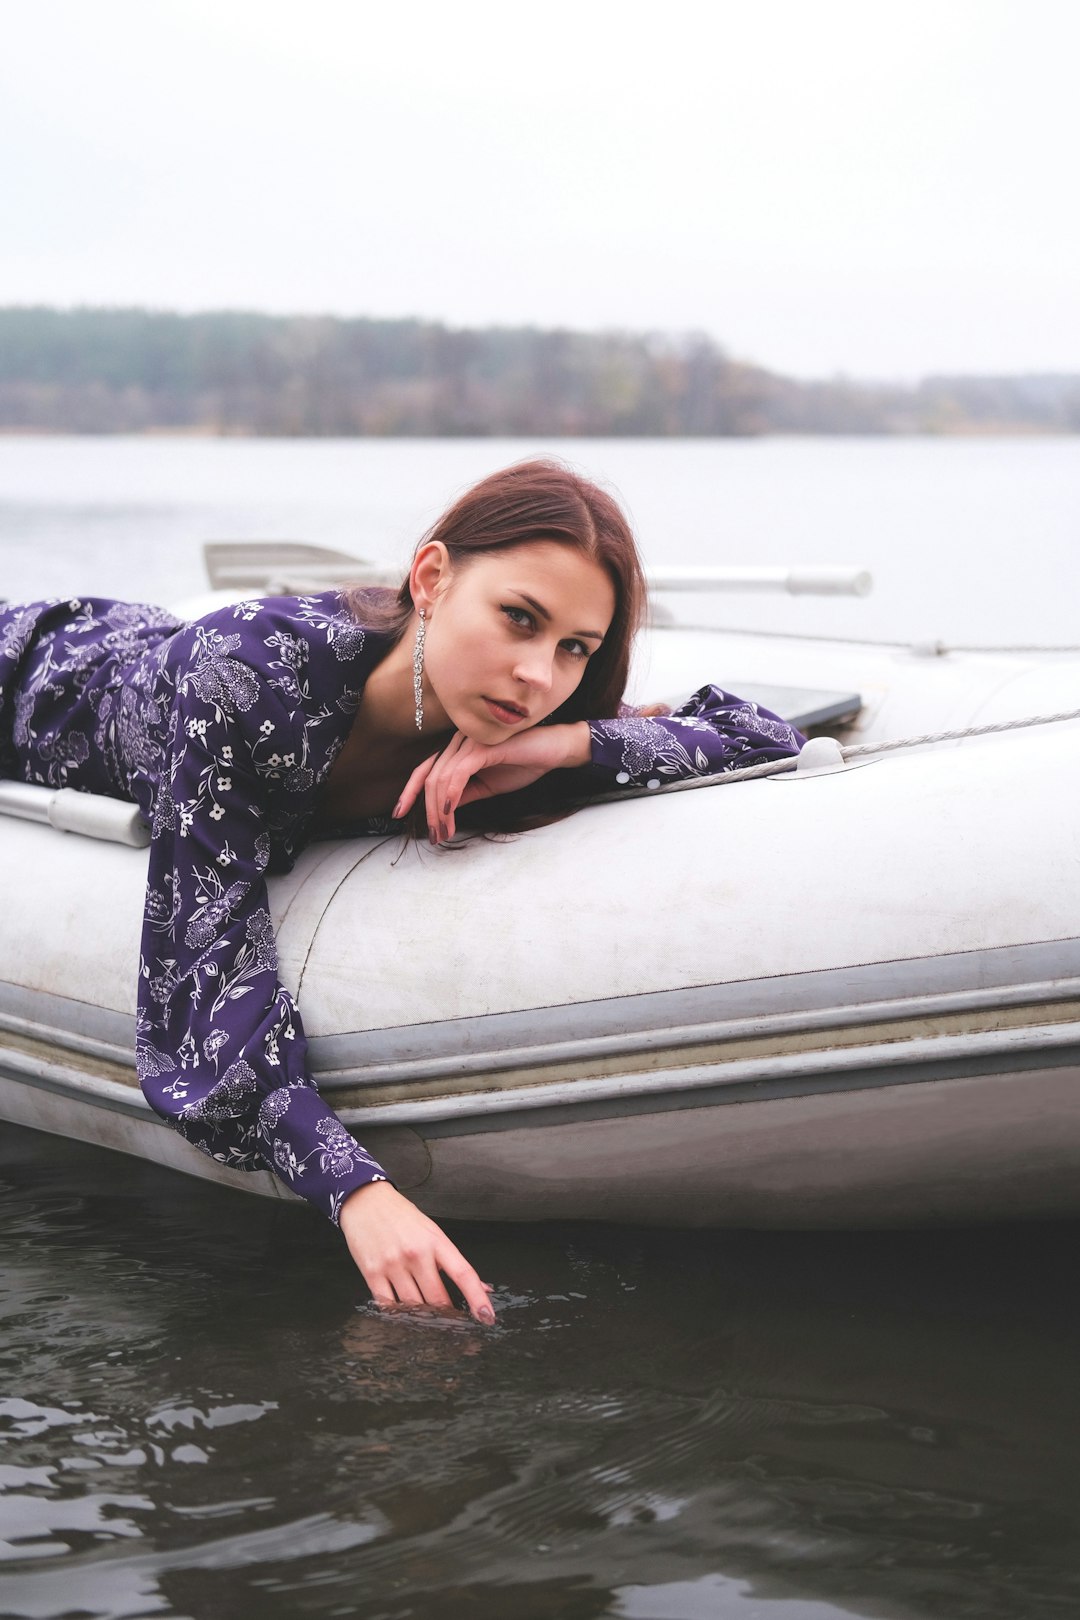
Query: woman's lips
[507,714]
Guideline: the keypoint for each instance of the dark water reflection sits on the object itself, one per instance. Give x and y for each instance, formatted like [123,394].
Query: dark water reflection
[199,1417]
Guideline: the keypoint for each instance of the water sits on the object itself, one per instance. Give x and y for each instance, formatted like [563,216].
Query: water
[201,1416]
[967,538]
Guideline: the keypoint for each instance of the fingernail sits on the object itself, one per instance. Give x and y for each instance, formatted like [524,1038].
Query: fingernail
[446,807]
[433,837]
[486,1314]
[396,812]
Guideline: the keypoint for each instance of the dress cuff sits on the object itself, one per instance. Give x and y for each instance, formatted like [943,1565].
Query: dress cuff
[308,1147]
[627,749]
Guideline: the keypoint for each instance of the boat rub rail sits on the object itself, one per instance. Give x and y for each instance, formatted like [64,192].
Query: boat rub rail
[55,1061]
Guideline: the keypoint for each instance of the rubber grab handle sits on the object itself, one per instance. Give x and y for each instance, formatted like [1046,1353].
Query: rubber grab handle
[91,814]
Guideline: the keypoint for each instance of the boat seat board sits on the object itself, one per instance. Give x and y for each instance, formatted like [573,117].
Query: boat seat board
[802,706]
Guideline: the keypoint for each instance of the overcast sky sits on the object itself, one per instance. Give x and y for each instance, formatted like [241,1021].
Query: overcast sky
[884,189]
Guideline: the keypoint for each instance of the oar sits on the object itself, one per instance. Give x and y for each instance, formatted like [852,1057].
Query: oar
[292,565]
[796,581]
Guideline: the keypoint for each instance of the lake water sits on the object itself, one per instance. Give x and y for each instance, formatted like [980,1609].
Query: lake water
[200,1416]
[967,539]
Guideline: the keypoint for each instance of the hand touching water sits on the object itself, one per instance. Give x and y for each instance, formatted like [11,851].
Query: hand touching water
[466,770]
[404,1256]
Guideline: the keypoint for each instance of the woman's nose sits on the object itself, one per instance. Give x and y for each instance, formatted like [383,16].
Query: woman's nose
[534,669]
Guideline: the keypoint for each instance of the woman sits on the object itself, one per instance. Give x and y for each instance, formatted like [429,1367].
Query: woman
[246,734]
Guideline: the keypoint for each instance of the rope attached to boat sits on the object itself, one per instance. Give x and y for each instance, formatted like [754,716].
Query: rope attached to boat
[853,750]
[930,648]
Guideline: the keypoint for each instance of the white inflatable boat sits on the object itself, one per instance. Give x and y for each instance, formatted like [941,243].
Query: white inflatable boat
[847,994]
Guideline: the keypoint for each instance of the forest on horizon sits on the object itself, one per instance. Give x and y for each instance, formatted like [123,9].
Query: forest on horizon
[95,370]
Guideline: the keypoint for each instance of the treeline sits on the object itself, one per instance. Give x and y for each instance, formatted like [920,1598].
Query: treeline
[135,371]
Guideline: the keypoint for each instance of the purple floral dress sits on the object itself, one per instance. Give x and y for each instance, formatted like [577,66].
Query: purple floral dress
[223,731]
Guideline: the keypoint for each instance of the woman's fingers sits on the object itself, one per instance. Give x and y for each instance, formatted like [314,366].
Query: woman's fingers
[382,1291]
[432,1288]
[455,781]
[400,1252]
[473,770]
[407,1289]
[441,790]
[449,779]
[400,1285]
[428,783]
[411,791]
[435,788]
[423,1285]
[464,1277]
[444,786]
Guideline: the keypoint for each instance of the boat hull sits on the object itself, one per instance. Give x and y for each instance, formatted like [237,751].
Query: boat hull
[895,1150]
[838,1000]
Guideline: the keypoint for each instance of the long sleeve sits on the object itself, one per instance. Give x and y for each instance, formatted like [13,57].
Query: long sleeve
[712,732]
[221,1048]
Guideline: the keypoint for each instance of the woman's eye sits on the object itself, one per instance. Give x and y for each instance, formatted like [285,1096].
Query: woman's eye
[518,616]
[576,649]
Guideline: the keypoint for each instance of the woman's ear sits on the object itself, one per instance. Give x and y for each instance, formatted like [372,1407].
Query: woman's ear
[430,574]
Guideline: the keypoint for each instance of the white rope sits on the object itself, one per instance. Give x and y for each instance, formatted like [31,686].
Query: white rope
[857,749]
[940,648]
[781,635]
[1017,647]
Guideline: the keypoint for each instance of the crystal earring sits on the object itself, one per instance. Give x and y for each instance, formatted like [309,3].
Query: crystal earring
[418,670]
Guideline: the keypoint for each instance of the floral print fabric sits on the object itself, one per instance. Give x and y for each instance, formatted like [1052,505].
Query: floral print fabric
[710,733]
[223,732]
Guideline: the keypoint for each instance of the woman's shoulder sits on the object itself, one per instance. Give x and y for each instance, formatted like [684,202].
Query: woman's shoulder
[267,630]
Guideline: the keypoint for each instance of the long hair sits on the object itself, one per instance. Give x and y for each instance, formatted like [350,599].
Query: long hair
[531,501]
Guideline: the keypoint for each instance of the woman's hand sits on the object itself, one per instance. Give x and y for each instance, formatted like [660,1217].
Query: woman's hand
[401,1253]
[467,770]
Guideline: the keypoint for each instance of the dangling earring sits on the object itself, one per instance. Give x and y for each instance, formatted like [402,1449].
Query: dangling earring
[418,670]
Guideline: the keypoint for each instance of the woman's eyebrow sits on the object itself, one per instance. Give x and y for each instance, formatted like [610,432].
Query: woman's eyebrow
[538,607]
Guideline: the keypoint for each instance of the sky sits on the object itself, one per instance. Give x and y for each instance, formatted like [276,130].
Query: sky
[878,189]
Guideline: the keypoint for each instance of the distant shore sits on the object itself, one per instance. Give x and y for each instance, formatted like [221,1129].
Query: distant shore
[234,374]
[992,430]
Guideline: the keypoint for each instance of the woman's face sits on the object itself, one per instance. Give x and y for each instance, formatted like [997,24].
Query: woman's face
[509,633]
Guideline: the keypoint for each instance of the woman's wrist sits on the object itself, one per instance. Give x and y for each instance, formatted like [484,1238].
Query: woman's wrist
[578,744]
[350,1208]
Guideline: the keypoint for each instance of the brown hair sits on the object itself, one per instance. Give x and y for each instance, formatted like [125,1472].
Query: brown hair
[531,501]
